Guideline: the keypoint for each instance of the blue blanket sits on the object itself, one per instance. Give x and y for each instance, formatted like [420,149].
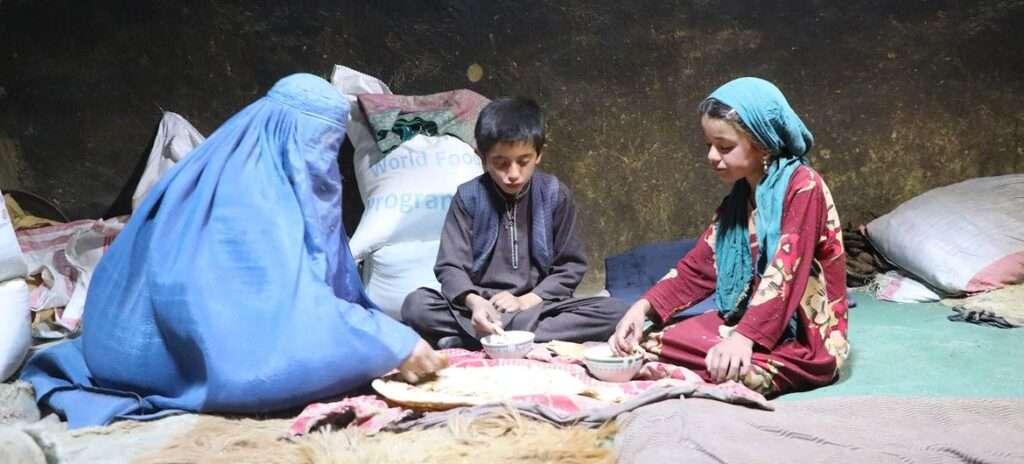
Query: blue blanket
[629,275]
[232,288]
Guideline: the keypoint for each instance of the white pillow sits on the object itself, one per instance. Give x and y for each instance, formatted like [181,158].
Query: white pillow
[962,238]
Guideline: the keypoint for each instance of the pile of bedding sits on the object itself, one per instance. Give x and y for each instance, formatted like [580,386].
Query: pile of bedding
[954,241]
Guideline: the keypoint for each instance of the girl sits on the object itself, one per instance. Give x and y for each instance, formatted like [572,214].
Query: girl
[774,255]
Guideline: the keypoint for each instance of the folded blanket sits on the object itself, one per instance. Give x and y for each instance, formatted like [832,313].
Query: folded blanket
[863,261]
[858,429]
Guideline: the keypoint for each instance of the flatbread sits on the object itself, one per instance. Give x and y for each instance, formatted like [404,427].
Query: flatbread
[472,386]
[567,350]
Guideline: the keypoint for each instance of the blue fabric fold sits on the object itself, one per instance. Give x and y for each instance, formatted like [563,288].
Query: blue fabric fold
[232,288]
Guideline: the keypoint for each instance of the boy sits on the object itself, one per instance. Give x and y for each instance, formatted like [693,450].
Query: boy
[510,256]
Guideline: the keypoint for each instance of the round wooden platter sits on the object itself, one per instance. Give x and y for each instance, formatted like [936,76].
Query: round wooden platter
[456,387]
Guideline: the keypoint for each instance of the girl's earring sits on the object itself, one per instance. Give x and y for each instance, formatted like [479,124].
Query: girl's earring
[764,163]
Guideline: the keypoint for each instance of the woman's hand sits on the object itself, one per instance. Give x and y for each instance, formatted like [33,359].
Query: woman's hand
[730,358]
[421,363]
[627,334]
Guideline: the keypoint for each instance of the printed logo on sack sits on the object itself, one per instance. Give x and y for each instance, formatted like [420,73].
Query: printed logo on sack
[407,202]
[422,160]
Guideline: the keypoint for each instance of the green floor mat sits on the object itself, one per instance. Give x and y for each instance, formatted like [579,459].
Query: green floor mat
[913,350]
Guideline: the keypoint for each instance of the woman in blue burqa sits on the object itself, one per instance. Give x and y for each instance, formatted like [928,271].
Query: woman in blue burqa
[232,288]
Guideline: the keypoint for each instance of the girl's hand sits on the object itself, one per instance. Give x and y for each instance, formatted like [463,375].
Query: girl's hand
[730,358]
[627,334]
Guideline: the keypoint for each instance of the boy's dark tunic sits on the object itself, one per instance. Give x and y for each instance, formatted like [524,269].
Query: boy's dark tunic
[512,267]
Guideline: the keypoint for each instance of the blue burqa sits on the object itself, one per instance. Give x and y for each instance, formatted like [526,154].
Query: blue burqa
[232,288]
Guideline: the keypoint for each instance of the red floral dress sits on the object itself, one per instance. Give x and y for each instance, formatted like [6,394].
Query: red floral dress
[807,277]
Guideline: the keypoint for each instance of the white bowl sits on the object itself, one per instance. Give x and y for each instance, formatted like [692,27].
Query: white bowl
[512,345]
[605,365]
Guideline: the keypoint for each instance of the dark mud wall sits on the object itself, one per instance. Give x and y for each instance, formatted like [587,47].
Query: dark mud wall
[901,96]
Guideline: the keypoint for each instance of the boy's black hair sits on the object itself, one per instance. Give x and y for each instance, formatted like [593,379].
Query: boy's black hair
[509,120]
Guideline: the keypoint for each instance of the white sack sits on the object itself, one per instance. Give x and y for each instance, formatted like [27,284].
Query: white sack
[43,249]
[405,194]
[83,252]
[12,263]
[394,271]
[15,326]
[175,138]
[409,191]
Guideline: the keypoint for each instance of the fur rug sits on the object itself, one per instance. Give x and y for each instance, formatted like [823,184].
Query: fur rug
[495,438]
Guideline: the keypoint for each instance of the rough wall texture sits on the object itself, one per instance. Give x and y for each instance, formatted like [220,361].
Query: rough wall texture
[902,96]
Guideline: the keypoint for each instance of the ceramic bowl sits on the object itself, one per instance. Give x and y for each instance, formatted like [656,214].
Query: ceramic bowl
[513,344]
[605,365]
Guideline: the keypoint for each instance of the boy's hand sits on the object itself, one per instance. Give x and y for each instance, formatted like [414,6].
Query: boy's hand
[486,319]
[530,300]
[730,358]
[506,302]
[421,363]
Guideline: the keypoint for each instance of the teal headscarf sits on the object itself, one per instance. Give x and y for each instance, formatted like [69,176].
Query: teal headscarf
[765,111]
